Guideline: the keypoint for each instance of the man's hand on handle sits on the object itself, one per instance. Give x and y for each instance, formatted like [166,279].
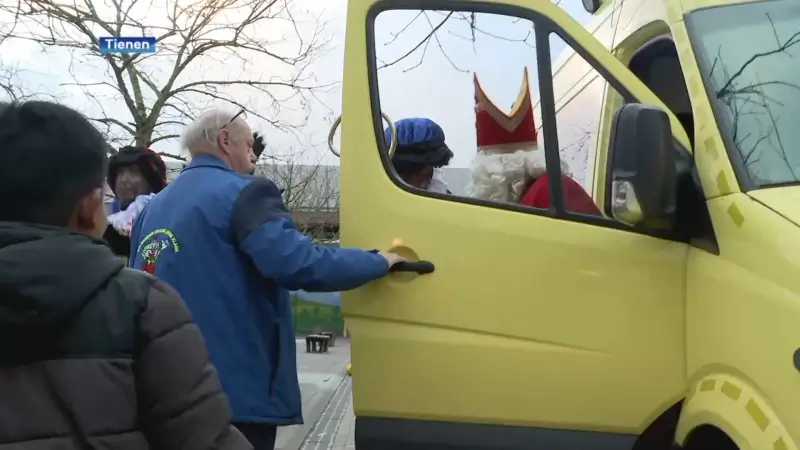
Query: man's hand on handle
[392,258]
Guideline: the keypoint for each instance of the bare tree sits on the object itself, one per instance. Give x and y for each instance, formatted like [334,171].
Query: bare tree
[459,24]
[14,88]
[749,105]
[11,84]
[310,191]
[162,90]
[464,25]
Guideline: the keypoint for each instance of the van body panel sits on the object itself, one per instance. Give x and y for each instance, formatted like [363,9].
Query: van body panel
[730,403]
[743,305]
[784,200]
[553,367]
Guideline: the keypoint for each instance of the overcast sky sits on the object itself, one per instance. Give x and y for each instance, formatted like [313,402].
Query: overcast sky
[440,87]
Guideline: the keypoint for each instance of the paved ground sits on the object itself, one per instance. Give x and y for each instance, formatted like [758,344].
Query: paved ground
[335,428]
[320,374]
[346,434]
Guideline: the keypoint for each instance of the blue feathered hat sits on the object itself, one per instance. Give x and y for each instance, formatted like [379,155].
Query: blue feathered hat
[420,143]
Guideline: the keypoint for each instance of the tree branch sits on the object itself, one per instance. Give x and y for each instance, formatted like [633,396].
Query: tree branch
[755,126]
[451,20]
[191,36]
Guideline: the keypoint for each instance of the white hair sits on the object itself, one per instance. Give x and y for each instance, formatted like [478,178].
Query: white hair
[504,176]
[204,130]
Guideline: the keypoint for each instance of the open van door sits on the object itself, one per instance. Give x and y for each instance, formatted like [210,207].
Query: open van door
[538,328]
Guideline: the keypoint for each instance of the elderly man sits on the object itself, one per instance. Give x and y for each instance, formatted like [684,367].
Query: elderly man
[225,240]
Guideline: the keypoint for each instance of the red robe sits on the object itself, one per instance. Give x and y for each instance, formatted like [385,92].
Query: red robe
[576,200]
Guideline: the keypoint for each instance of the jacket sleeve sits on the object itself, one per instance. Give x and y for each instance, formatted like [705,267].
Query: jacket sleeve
[135,238]
[181,403]
[119,244]
[263,229]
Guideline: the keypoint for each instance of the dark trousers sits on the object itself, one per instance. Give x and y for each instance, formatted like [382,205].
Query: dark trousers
[261,435]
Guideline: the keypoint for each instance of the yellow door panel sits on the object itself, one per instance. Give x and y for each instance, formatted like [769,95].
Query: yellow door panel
[537,325]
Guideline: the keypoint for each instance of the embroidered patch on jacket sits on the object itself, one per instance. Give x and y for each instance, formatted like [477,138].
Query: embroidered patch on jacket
[153,245]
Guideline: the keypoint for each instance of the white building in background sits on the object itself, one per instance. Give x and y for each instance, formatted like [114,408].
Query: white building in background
[174,167]
[320,181]
[315,187]
[312,192]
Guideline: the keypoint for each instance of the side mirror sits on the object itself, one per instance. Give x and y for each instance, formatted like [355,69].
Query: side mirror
[641,175]
[591,6]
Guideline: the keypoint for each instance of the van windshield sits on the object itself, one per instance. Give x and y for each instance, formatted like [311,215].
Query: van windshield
[749,56]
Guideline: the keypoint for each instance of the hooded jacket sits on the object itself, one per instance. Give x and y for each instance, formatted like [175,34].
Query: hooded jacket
[93,355]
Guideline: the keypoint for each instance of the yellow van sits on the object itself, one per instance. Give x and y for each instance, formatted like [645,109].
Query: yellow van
[670,322]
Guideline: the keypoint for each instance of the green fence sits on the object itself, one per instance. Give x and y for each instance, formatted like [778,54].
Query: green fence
[310,317]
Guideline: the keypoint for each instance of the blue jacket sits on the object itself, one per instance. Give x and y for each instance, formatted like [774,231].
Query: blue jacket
[226,242]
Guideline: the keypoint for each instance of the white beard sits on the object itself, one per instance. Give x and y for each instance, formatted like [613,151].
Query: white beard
[503,177]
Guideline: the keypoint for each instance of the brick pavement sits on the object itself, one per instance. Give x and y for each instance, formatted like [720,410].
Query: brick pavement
[335,430]
[320,375]
[346,436]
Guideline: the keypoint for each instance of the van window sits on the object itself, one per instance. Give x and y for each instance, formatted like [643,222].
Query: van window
[584,108]
[659,68]
[479,117]
[750,58]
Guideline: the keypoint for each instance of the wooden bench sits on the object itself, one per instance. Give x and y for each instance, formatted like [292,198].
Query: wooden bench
[320,331]
[331,337]
[317,343]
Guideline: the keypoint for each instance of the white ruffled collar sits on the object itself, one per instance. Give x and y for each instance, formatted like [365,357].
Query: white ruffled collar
[122,221]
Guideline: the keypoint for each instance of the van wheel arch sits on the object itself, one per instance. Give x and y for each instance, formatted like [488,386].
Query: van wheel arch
[708,437]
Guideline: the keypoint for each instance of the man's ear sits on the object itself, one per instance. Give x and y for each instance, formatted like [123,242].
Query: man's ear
[90,214]
[224,139]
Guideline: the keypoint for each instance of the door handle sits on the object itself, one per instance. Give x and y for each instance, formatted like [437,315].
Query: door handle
[392,135]
[419,267]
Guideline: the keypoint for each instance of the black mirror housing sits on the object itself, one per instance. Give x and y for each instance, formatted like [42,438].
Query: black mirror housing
[642,153]
[591,6]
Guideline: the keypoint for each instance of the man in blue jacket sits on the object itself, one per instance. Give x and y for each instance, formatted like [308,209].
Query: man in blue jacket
[226,242]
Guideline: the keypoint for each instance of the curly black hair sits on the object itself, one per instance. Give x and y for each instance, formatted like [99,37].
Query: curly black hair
[413,157]
[153,168]
[50,157]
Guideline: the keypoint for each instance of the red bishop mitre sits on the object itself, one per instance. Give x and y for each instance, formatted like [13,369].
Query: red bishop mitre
[498,131]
